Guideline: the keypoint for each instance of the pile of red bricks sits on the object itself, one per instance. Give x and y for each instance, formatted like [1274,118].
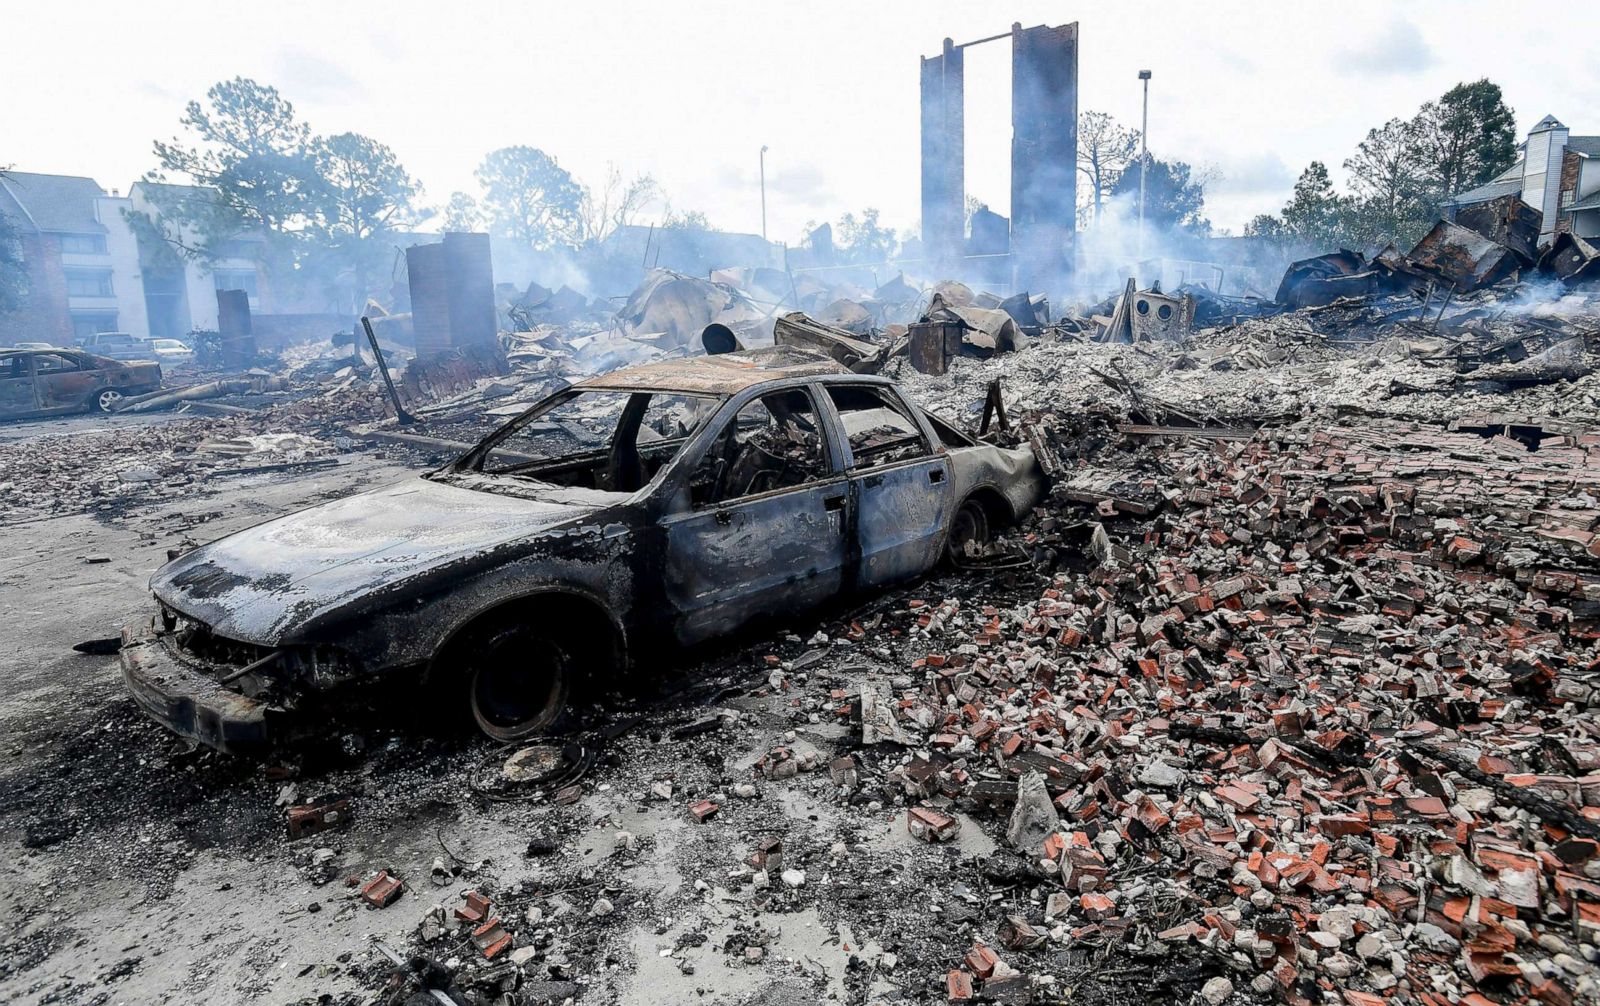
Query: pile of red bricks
[1325,709]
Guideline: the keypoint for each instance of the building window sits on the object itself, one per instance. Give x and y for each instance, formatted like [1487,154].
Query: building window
[89,322]
[237,279]
[83,244]
[89,283]
[1568,197]
[236,248]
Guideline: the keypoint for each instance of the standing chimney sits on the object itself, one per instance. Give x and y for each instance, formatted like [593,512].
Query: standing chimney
[943,159]
[1044,152]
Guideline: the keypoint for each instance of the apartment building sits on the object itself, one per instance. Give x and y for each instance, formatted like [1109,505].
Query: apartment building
[85,271]
[1557,174]
[80,260]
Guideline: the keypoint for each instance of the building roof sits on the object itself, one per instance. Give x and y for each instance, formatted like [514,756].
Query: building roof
[13,209]
[1484,193]
[56,202]
[1588,146]
[1510,180]
[1548,122]
[724,374]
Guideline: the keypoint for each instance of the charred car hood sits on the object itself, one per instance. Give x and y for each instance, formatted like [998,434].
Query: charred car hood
[263,584]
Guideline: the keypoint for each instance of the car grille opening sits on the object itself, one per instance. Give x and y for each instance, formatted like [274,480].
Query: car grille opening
[220,657]
[202,646]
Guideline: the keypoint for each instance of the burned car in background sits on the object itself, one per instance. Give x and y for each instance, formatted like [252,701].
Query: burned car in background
[656,506]
[49,382]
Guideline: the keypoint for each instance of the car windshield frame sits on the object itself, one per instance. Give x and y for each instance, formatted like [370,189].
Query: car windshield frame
[472,462]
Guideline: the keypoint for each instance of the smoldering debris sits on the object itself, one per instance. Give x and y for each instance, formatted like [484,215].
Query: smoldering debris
[1487,244]
[1286,687]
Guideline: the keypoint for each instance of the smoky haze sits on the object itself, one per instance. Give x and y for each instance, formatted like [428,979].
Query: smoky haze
[689,93]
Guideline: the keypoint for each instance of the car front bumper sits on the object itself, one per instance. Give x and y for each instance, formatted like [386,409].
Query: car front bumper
[189,703]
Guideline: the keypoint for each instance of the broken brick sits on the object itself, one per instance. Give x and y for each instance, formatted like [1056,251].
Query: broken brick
[382,890]
[930,825]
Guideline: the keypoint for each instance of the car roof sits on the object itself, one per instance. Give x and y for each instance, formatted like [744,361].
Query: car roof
[723,374]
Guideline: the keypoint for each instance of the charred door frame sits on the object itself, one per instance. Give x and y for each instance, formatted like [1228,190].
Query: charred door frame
[18,410]
[676,511]
[87,378]
[864,481]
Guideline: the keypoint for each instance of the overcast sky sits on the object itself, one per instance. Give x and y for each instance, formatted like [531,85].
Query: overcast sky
[690,91]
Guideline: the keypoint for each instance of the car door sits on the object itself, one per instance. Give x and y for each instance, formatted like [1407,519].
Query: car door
[62,380]
[899,483]
[16,386]
[759,527]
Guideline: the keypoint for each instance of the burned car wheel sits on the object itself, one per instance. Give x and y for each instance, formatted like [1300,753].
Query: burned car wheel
[106,399]
[969,526]
[520,681]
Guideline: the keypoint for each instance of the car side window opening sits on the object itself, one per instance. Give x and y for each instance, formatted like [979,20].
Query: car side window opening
[948,435]
[877,425]
[51,363]
[599,439]
[773,443]
[13,367]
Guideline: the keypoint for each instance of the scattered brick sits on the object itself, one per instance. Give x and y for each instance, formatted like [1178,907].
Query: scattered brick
[382,890]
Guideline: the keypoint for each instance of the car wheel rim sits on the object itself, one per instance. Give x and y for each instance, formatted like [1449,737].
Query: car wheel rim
[516,686]
[969,526]
[108,399]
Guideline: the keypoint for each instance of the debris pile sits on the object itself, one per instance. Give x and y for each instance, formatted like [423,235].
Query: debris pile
[1287,691]
[1488,244]
[1323,705]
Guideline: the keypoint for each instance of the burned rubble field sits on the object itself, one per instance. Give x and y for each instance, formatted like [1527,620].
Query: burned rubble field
[1285,693]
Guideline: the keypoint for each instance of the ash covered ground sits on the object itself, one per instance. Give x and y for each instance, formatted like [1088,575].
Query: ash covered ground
[1286,692]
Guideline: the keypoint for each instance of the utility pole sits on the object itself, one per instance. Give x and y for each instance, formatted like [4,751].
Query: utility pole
[763,192]
[1144,154]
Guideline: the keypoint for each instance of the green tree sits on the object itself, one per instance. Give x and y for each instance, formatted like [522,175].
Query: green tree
[690,233]
[862,239]
[1312,215]
[1265,225]
[527,196]
[461,213]
[363,190]
[1387,201]
[1105,149]
[1465,138]
[1175,196]
[693,220]
[13,270]
[1401,174]
[246,143]
[362,198]
[615,204]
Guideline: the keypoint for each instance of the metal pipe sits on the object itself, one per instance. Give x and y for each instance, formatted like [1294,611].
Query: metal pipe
[254,665]
[1144,153]
[763,192]
[991,38]
[401,416]
[890,262]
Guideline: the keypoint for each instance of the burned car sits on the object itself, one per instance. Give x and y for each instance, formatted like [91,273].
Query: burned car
[656,506]
[49,382]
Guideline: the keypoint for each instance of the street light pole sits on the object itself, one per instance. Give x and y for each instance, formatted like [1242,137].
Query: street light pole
[763,192]
[1144,153]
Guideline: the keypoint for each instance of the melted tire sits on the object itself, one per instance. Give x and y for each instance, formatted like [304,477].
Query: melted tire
[970,524]
[519,682]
